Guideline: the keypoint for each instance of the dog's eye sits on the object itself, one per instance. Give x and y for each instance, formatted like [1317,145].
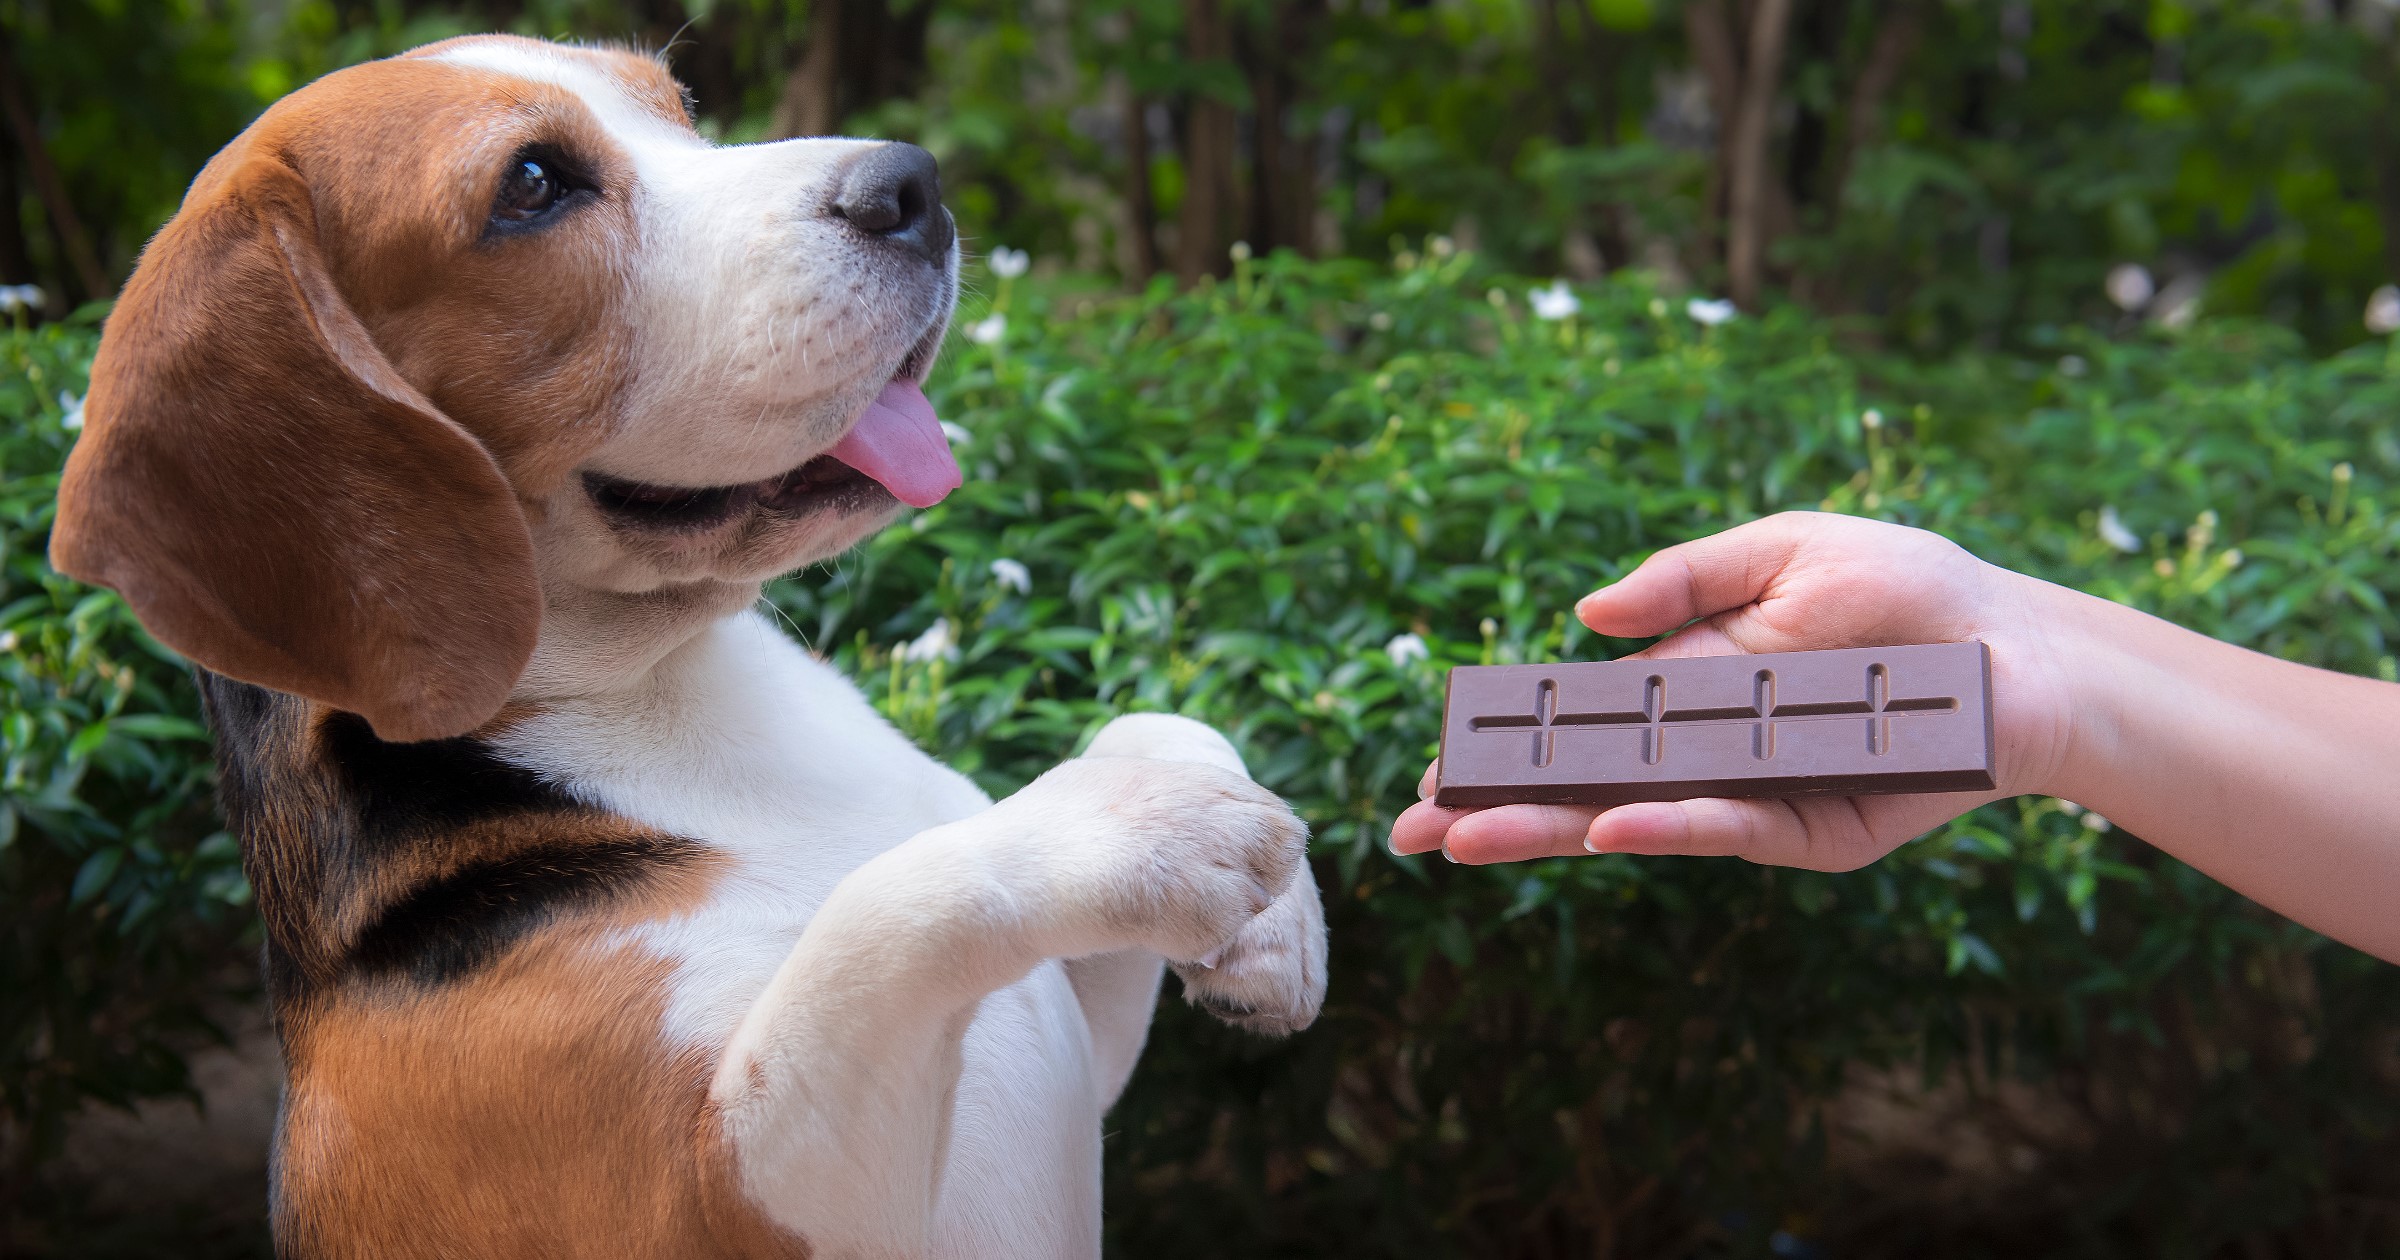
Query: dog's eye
[530,190]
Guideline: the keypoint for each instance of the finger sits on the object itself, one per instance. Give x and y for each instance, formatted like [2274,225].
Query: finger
[1819,833]
[1704,639]
[1695,579]
[1422,827]
[1519,833]
[1432,780]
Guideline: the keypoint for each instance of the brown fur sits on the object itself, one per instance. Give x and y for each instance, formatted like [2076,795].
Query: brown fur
[525,1112]
[508,1100]
[325,398]
[325,415]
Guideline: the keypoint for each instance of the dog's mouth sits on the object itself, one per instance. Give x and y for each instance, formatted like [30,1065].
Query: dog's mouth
[895,450]
[823,484]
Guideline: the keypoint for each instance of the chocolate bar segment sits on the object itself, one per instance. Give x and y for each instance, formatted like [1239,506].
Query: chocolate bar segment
[1848,722]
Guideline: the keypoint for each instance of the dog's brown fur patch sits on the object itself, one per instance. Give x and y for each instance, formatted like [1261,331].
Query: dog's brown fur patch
[475,1060]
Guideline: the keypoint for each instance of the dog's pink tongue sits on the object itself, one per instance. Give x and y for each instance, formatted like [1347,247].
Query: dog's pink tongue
[899,442]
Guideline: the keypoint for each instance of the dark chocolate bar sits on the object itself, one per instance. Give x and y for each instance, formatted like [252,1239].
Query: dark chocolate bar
[1847,722]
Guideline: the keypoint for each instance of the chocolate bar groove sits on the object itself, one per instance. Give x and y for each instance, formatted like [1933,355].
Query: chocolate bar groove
[1916,719]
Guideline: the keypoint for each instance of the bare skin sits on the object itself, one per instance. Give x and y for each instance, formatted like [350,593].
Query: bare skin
[2280,780]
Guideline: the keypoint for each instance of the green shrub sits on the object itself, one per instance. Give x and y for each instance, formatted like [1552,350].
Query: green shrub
[119,896]
[1230,502]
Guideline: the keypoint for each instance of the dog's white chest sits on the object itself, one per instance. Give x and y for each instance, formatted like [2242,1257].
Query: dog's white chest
[772,759]
[745,743]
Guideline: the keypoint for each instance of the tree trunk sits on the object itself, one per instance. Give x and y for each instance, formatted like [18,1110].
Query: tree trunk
[1589,245]
[1283,167]
[74,246]
[16,259]
[2387,160]
[1208,144]
[859,53]
[1551,52]
[1747,194]
[1895,41]
[1139,258]
[1709,31]
[811,101]
[1600,49]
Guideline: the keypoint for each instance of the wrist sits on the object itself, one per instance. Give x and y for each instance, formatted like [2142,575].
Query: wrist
[2088,685]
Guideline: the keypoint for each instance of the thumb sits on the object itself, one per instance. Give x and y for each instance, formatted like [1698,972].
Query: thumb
[1696,579]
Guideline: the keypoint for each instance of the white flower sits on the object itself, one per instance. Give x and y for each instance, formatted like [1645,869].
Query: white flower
[1008,263]
[8,640]
[1440,246]
[2130,286]
[2070,809]
[2094,821]
[1405,648]
[16,297]
[2383,310]
[2181,314]
[73,406]
[1555,302]
[957,433]
[1709,313]
[935,644]
[1240,252]
[2114,533]
[1010,575]
[1871,419]
[989,330]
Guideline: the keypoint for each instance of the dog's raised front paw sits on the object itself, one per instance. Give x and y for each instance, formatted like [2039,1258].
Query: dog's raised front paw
[1271,979]
[1171,856]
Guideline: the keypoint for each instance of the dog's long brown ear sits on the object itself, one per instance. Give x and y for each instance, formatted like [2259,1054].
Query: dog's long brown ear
[269,495]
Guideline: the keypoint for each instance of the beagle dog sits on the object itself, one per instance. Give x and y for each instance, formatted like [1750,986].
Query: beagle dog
[450,429]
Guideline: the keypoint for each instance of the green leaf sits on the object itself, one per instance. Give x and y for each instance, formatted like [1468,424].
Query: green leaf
[95,873]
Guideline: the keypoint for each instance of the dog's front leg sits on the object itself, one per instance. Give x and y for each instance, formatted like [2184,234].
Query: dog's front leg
[836,1092]
[1270,979]
[1117,992]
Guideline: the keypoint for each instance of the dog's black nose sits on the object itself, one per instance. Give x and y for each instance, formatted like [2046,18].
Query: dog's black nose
[895,192]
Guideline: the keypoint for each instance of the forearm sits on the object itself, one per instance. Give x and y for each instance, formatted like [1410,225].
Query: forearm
[2280,780]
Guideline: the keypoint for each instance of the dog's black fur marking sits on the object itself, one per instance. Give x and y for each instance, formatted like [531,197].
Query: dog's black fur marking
[404,791]
[448,928]
[320,812]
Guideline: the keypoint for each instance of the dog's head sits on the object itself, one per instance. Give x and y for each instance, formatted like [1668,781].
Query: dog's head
[444,336]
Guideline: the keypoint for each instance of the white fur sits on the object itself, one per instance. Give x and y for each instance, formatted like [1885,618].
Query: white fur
[879,953]
[904,1063]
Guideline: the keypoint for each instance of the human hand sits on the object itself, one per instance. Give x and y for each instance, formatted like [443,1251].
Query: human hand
[1796,582]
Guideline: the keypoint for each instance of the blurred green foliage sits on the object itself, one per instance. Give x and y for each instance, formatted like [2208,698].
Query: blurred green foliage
[120,898]
[1230,502]
[1962,174]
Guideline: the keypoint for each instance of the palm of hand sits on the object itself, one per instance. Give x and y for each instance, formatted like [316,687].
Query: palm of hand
[1792,583]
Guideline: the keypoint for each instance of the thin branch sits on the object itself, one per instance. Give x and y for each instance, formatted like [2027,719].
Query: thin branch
[74,244]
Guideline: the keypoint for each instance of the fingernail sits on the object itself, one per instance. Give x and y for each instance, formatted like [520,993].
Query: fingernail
[1446,855]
